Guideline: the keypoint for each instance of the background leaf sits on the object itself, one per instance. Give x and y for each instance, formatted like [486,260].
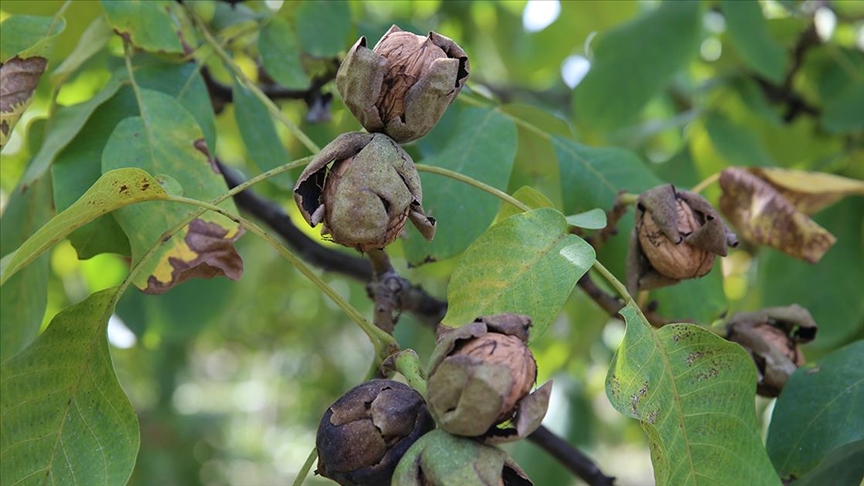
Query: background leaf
[92,41]
[65,419]
[166,140]
[323,27]
[700,300]
[748,31]
[527,264]
[818,411]
[482,146]
[259,135]
[24,297]
[844,466]
[693,393]
[281,55]
[146,23]
[645,52]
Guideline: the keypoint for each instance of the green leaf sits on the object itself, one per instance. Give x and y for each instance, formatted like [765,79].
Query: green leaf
[146,23]
[65,418]
[323,27]
[482,146]
[831,290]
[699,300]
[281,55]
[592,219]
[259,135]
[526,264]
[818,411]
[28,36]
[79,165]
[533,198]
[92,41]
[844,466]
[693,393]
[842,114]
[25,296]
[634,61]
[166,140]
[748,31]
[183,82]
[113,190]
[535,163]
[736,144]
[592,177]
[64,126]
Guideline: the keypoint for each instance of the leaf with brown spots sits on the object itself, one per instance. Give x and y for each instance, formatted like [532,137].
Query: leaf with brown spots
[148,25]
[693,393]
[165,140]
[762,215]
[115,189]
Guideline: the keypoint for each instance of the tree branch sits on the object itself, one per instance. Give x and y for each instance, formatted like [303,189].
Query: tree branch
[426,308]
[570,457]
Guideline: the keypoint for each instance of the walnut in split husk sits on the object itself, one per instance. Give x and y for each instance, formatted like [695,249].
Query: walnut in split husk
[677,236]
[404,84]
[480,377]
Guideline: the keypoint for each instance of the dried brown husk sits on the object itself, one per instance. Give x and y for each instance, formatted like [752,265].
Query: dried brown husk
[772,337]
[363,187]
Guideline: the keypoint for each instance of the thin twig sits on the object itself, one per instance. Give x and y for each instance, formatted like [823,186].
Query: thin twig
[570,457]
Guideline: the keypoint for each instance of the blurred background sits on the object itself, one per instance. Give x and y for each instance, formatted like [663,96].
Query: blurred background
[229,379]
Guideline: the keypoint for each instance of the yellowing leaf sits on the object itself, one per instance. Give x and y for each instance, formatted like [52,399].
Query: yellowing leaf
[166,140]
[762,215]
[809,192]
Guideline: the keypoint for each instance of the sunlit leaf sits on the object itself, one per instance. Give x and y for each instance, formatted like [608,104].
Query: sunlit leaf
[482,146]
[24,297]
[259,135]
[323,27]
[63,416]
[533,198]
[527,264]
[114,190]
[748,31]
[633,61]
[762,215]
[18,80]
[693,393]
[27,36]
[592,219]
[146,23]
[280,54]
[809,192]
[818,411]
[166,140]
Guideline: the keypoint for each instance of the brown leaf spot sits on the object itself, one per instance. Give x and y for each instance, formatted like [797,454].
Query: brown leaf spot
[124,189]
[216,256]
[4,127]
[634,406]
[201,146]
[652,415]
[693,357]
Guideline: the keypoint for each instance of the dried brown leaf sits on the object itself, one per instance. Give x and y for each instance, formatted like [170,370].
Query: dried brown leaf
[809,192]
[762,215]
[18,80]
